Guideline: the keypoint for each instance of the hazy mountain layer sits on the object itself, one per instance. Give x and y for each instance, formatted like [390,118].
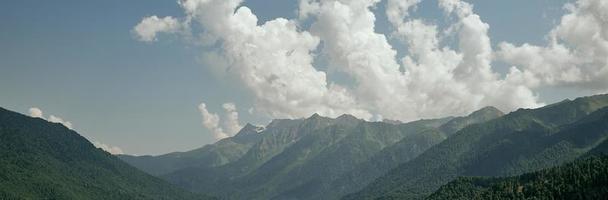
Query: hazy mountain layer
[213,155]
[313,158]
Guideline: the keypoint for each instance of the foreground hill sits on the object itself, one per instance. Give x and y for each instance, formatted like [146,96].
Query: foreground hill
[583,179]
[522,141]
[43,160]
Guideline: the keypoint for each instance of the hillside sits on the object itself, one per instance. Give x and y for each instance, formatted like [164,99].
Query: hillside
[583,179]
[522,141]
[312,158]
[213,155]
[43,160]
[294,158]
[406,149]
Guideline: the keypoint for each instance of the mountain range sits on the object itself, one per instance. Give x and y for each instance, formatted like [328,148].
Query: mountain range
[522,141]
[554,151]
[312,158]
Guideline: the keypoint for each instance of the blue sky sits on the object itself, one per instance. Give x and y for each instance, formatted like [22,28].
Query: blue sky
[80,60]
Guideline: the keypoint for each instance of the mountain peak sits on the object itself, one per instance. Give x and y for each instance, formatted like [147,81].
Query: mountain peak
[250,126]
[249,133]
[488,110]
[346,116]
[317,117]
[479,116]
[249,129]
[313,116]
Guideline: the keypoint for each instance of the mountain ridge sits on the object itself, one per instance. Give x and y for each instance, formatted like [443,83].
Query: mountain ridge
[295,158]
[519,142]
[44,160]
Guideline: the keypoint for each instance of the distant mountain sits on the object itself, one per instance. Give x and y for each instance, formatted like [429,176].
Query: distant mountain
[213,155]
[522,141]
[583,179]
[313,158]
[406,149]
[43,160]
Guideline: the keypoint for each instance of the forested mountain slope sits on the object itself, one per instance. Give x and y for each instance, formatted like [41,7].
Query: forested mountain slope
[213,155]
[522,141]
[313,158]
[406,149]
[583,179]
[43,160]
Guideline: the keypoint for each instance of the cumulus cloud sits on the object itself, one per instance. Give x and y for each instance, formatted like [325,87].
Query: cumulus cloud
[211,121]
[576,54]
[149,27]
[231,119]
[37,112]
[55,119]
[114,150]
[221,128]
[274,60]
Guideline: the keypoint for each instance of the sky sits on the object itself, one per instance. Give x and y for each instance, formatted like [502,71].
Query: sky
[152,77]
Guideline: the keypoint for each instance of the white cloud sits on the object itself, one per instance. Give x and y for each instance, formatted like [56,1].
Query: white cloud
[55,119]
[274,60]
[211,121]
[437,80]
[37,112]
[231,119]
[149,27]
[221,128]
[114,150]
[576,55]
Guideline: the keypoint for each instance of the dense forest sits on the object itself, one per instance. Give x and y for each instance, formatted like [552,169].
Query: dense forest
[43,160]
[312,158]
[522,141]
[584,179]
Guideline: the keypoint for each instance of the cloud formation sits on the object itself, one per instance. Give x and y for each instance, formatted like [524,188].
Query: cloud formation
[221,129]
[575,56]
[149,27]
[274,60]
[114,150]
[231,119]
[36,112]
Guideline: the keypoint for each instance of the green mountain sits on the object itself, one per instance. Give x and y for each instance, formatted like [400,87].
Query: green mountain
[313,158]
[292,156]
[583,179]
[522,141]
[43,160]
[406,149]
[220,153]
